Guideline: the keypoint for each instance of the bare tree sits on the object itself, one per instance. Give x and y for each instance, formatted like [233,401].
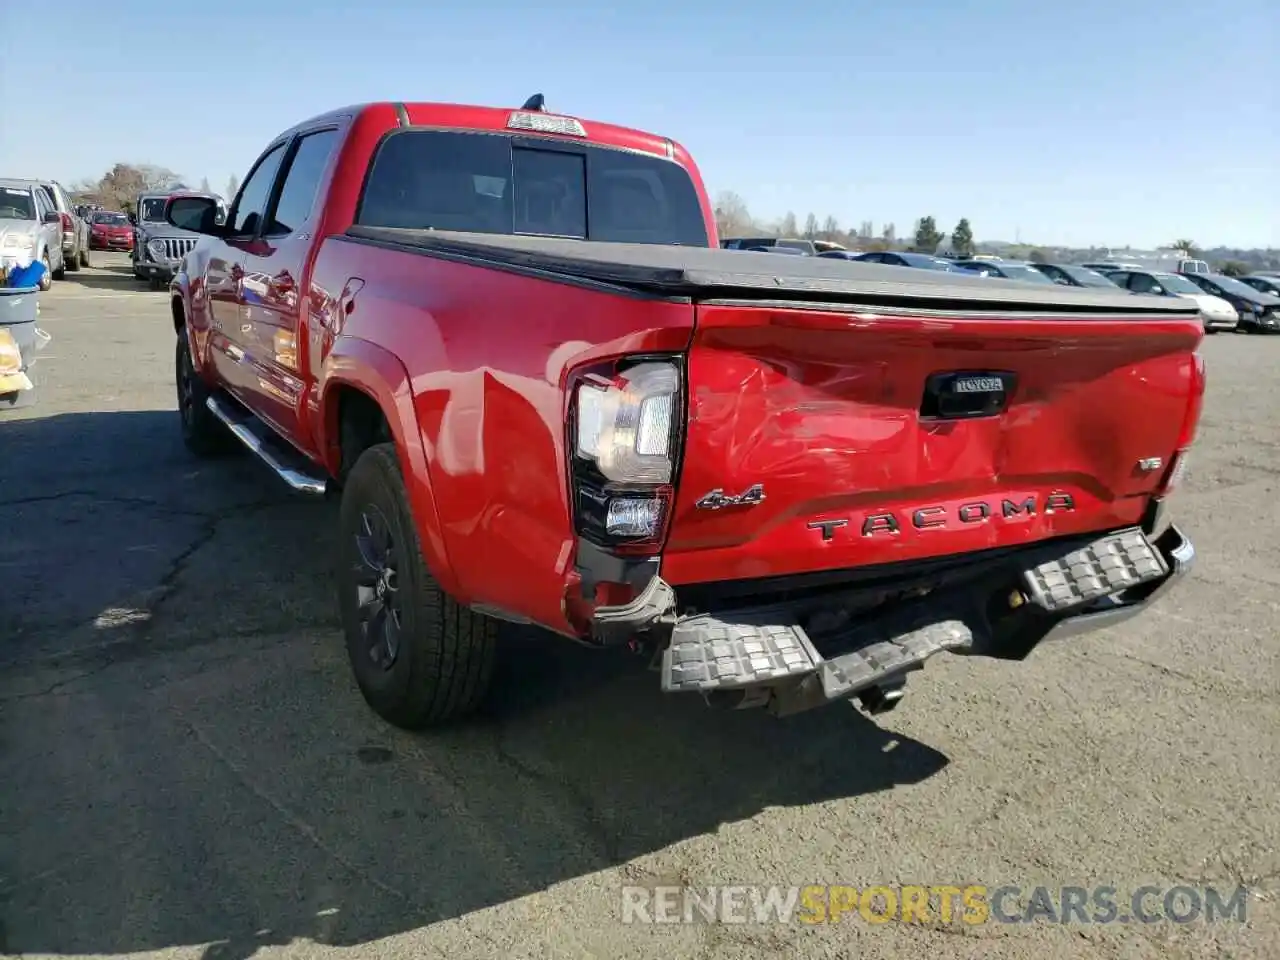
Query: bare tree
[788,228]
[120,186]
[810,227]
[733,219]
[830,229]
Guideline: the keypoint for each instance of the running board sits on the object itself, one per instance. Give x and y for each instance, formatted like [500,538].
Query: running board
[289,465]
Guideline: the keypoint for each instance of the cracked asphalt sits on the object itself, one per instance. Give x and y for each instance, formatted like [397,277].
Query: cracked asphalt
[188,770]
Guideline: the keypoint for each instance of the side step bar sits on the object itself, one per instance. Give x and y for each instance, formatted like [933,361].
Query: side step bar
[289,465]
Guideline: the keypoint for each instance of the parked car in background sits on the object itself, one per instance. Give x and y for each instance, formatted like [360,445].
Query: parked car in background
[75,231]
[1007,269]
[1259,312]
[767,243]
[922,261]
[1073,275]
[30,229]
[158,247]
[109,230]
[1216,312]
[1263,283]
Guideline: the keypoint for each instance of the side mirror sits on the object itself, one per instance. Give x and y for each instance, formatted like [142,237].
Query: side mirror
[197,214]
[1158,291]
[51,216]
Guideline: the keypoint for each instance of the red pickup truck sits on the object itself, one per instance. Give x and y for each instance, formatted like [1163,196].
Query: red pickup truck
[509,341]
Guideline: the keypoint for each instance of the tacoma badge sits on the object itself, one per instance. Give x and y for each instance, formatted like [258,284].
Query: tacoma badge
[717,499]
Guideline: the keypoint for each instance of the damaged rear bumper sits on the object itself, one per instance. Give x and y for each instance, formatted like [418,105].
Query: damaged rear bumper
[792,656]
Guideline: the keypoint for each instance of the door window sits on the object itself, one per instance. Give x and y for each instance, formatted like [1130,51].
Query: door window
[302,182]
[254,195]
[1142,283]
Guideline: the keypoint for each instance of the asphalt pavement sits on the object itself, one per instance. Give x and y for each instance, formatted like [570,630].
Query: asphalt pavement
[188,769]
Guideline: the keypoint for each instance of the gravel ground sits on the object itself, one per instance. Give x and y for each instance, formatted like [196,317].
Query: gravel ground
[188,769]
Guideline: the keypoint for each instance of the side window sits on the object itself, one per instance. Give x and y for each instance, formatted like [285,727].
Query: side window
[42,204]
[1141,283]
[252,202]
[302,181]
[444,181]
[1119,277]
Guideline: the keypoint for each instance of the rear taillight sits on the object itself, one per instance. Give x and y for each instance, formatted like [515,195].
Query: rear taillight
[1187,435]
[67,225]
[624,437]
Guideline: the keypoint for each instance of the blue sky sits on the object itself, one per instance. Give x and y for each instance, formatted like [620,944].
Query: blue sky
[1086,122]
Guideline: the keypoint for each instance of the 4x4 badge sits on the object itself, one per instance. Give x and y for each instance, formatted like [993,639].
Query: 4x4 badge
[717,499]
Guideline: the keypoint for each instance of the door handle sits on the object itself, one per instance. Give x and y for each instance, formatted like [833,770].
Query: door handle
[347,300]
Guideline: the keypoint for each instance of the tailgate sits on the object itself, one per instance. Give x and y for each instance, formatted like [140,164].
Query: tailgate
[820,440]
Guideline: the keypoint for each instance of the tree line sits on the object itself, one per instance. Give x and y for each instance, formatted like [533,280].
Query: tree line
[734,219]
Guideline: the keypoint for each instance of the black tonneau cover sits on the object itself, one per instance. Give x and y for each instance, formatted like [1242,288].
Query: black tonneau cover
[705,273]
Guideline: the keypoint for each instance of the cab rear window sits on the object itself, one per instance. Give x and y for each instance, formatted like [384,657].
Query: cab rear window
[493,183]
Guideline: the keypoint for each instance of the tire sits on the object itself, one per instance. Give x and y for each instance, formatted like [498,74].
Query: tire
[202,432]
[61,272]
[84,256]
[72,262]
[155,284]
[442,664]
[46,281]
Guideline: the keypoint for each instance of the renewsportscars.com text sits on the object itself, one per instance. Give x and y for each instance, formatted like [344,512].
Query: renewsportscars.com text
[971,905]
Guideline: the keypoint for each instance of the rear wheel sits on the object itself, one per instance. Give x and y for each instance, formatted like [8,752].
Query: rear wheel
[84,256]
[61,272]
[419,658]
[203,433]
[46,279]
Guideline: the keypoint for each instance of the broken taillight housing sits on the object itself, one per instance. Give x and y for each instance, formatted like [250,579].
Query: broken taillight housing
[624,435]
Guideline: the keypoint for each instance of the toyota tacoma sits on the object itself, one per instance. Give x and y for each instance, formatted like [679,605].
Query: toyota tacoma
[508,340]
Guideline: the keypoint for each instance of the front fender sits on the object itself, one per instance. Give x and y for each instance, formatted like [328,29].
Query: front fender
[380,375]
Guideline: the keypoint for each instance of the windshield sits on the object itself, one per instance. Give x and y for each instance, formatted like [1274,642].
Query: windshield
[1017,271]
[16,204]
[933,263]
[483,183]
[153,209]
[1234,286]
[1086,277]
[1176,284]
[111,219]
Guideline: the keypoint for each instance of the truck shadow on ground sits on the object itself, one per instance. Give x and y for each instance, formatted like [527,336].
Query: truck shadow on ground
[197,785]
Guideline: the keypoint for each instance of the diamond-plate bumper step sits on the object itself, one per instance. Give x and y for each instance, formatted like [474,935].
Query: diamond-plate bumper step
[867,666]
[1106,566]
[707,653]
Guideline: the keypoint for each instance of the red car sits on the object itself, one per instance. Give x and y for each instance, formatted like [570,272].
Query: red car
[110,231]
[510,341]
